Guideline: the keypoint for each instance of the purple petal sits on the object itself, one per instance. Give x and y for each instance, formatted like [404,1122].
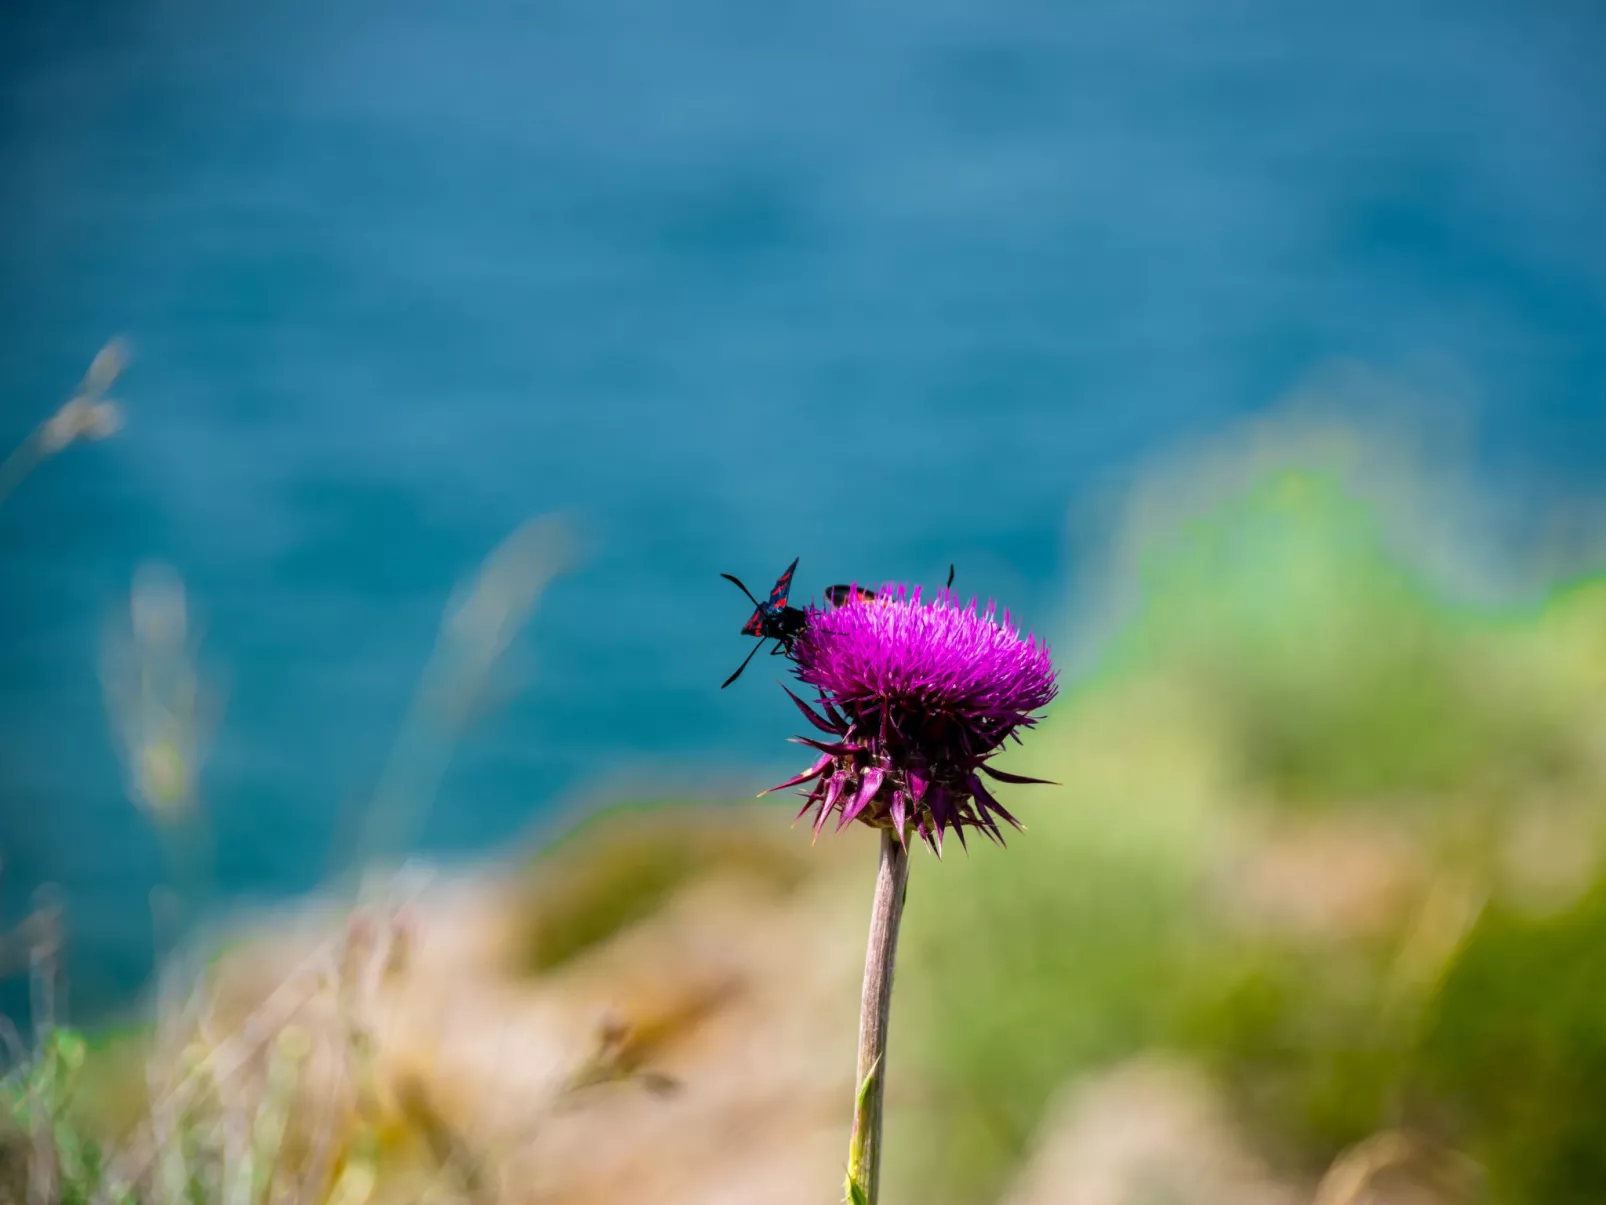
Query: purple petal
[918,783]
[811,715]
[819,822]
[985,799]
[900,817]
[833,793]
[833,789]
[1004,776]
[811,773]
[835,750]
[813,800]
[868,786]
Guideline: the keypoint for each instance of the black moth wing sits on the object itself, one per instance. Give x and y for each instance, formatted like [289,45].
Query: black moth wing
[783,586]
[771,620]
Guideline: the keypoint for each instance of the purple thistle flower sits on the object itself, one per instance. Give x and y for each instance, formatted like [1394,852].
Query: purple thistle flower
[913,698]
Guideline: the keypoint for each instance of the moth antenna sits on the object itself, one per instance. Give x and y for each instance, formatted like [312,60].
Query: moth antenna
[743,665]
[950,584]
[731,578]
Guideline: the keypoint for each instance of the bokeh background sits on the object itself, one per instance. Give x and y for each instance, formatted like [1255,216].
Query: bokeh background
[1253,354]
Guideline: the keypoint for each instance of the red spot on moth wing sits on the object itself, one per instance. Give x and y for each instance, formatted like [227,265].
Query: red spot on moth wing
[783,585]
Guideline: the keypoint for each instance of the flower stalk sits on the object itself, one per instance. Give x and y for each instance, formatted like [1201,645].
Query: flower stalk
[875,1014]
[913,699]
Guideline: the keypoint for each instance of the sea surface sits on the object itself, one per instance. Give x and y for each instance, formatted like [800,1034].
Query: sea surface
[882,285]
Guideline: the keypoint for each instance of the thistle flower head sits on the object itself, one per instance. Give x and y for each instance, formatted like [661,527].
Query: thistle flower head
[913,697]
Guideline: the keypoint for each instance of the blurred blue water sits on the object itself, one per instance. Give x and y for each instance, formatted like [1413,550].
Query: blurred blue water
[885,286]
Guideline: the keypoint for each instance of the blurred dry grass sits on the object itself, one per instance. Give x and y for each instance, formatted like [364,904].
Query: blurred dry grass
[452,1067]
[87,416]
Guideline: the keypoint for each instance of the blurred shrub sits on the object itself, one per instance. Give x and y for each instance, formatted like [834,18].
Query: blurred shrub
[1296,791]
[1515,1055]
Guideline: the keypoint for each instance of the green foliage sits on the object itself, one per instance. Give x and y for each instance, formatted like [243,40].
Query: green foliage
[1504,1057]
[1006,1007]
[1303,1039]
[1285,665]
[36,1099]
[1343,675]
[863,1117]
[1515,1055]
[1063,952]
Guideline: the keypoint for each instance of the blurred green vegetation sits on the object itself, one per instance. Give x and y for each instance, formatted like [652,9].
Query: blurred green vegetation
[1516,1050]
[38,1097]
[1321,830]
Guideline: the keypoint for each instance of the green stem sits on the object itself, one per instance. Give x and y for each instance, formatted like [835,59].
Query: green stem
[875,1011]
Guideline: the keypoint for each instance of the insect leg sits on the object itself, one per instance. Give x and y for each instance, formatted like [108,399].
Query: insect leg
[742,666]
